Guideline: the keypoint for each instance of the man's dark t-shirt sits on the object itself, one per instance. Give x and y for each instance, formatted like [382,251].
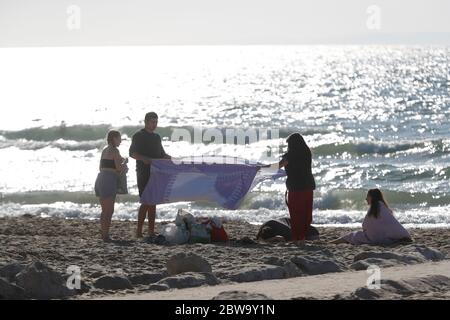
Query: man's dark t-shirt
[148,145]
[299,173]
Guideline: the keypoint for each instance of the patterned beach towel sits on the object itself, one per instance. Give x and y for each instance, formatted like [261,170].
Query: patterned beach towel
[222,180]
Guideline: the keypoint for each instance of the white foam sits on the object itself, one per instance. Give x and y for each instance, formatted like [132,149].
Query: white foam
[426,218]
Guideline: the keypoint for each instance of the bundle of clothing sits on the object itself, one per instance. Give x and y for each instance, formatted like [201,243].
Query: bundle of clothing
[382,230]
[275,229]
[189,229]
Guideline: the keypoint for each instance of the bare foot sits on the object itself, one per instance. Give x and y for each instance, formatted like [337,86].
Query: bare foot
[139,235]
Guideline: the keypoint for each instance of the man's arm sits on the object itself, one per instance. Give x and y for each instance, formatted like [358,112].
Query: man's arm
[164,155]
[133,151]
[140,157]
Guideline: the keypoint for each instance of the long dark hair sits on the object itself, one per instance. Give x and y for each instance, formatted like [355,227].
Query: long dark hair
[297,146]
[376,196]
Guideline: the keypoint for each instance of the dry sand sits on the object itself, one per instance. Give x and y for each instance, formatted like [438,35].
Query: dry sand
[325,286]
[60,243]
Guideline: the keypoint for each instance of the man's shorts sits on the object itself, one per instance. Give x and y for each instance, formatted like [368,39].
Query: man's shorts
[142,179]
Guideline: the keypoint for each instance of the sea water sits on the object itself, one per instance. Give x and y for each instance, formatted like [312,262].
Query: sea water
[374,116]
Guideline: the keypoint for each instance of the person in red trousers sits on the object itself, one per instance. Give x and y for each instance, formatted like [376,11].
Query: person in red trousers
[300,185]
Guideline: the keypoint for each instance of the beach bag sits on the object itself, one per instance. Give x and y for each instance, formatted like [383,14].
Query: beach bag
[218,233]
[184,217]
[199,233]
[122,187]
[175,234]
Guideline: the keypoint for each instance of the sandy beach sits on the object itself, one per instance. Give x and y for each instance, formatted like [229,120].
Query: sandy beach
[203,114]
[128,268]
[421,281]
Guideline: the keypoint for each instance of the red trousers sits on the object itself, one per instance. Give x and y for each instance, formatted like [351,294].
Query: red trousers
[300,205]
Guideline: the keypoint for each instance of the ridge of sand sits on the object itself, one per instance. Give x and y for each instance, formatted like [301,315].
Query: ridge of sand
[323,286]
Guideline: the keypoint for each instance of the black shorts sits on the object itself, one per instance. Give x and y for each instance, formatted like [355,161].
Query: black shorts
[142,179]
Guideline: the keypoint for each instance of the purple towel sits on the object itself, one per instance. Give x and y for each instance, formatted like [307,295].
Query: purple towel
[385,229]
[222,180]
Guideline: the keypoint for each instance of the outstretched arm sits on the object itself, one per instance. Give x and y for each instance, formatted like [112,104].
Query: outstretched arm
[281,164]
[140,157]
[164,154]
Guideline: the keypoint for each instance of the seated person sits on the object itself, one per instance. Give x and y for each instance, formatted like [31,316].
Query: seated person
[380,227]
[280,230]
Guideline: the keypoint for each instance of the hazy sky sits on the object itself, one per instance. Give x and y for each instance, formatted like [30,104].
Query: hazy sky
[144,22]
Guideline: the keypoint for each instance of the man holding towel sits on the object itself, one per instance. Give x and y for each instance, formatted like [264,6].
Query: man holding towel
[145,146]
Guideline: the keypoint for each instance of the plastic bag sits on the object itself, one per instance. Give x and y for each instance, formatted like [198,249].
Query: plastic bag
[216,222]
[217,231]
[184,217]
[199,233]
[219,234]
[122,187]
[175,234]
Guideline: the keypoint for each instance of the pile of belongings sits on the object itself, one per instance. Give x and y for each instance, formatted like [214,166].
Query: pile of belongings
[188,229]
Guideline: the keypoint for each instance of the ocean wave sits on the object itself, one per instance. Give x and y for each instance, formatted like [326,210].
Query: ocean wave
[436,147]
[420,174]
[349,199]
[86,133]
[61,144]
[88,137]
[75,133]
[355,199]
[416,217]
[35,139]
[42,197]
